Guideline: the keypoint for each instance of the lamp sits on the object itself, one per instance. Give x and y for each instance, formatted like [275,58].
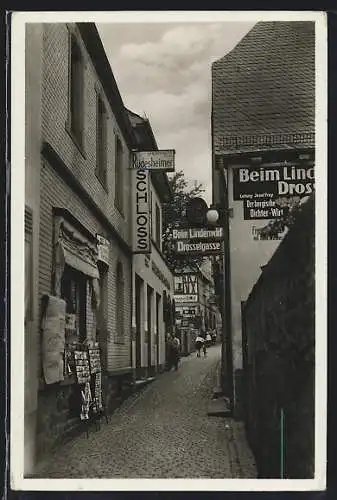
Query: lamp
[212,216]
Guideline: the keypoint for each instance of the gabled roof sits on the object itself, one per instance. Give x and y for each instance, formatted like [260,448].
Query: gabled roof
[266,86]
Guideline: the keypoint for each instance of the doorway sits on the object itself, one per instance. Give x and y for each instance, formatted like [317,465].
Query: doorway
[139,292]
[149,327]
[158,306]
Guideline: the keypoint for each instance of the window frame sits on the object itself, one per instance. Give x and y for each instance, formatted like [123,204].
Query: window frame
[120,304]
[72,276]
[101,170]
[75,51]
[158,224]
[119,175]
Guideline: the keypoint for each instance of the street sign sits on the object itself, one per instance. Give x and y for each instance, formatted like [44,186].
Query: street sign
[162,160]
[186,247]
[201,233]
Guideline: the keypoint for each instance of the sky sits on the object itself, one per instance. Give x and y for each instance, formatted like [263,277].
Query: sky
[163,72]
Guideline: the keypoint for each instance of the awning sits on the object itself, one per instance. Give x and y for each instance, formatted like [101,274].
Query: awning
[78,261]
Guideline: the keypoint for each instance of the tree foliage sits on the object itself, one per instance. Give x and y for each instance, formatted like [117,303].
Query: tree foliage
[174,217]
[281,224]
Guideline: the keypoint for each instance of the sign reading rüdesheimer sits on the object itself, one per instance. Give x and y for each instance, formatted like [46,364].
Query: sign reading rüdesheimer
[141,211]
[154,160]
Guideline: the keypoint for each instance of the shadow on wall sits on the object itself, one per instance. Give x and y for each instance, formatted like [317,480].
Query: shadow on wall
[279,356]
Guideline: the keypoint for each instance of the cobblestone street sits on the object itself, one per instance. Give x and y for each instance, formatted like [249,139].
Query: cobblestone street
[161,432]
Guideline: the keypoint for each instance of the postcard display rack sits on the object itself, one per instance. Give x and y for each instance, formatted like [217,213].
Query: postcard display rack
[87,367]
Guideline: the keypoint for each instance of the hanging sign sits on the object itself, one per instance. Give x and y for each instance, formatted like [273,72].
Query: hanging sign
[141,211]
[270,182]
[191,233]
[188,247]
[162,160]
[186,298]
[103,247]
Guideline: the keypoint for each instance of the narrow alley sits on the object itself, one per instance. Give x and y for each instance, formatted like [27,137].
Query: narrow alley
[161,432]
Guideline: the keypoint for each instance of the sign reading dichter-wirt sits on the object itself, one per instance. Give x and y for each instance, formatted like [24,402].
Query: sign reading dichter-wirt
[141,211]
[154,160]
[273,182]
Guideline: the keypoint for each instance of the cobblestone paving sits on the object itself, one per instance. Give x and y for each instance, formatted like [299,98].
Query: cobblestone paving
[161,432]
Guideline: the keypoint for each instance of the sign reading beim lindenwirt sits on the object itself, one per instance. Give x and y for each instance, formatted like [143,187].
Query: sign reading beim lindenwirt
[262,189]
[198,241]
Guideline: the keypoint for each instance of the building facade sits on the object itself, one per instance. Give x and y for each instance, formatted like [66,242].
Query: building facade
[263,121]
[79,140]
[152,318]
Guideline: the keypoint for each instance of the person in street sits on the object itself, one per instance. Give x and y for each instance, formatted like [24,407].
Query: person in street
[204,349]
[174,351]
[208,339]
[199,341]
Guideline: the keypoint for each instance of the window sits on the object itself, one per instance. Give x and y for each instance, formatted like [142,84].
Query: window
[120,303]
[158,225]
[101,141]
[74,292]
[119,186]
[76,91]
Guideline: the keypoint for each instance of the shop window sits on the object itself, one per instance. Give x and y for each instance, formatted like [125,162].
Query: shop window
[74,292]
[119,181]
[101,141]
[120,289]
[76,84]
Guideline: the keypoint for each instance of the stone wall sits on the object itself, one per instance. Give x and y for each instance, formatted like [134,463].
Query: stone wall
[279,351]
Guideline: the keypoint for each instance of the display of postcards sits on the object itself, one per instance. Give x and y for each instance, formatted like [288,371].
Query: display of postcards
[82,366]
[86,400]
[98,391]
[95,360]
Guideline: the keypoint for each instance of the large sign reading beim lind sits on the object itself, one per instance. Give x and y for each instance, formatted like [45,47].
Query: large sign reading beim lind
[262,189]
[198,241]
[141,216]
[162,160]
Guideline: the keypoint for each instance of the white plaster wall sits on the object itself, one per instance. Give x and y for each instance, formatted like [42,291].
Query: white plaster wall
[246,257]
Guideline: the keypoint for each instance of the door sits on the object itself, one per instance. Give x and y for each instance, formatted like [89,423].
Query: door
[158,305]
[139,292]
[149,326]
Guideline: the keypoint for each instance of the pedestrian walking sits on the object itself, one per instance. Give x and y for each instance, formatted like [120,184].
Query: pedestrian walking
[174,352]
[208,339]
[199,342]
[204,349]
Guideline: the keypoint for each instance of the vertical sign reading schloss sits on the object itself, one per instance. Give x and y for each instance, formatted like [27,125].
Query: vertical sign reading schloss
[141,211]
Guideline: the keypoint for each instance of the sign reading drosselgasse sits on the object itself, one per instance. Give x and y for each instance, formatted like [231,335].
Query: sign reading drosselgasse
[154,160]
[273,182]
[186,247]
[141,212]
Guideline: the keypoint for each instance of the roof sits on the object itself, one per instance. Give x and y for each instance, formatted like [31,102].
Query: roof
[263,91]
[145,141]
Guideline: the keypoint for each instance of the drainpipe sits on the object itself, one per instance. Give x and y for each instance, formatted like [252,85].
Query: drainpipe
[228,382]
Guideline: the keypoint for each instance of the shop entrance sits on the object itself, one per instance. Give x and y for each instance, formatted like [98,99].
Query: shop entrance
[149,327]
[158,305]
